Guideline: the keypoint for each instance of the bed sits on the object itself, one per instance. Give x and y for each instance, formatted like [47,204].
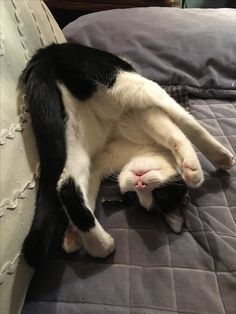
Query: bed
[153,270]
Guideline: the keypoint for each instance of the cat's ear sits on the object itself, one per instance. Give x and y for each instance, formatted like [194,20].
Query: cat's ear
[175,220]
[171,201]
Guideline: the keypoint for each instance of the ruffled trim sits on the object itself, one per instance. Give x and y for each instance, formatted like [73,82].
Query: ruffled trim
[15,127]
[2,44]
[9,268]
[8,204]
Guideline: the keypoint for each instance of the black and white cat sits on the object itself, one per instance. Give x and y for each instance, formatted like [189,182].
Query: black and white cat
[94,115]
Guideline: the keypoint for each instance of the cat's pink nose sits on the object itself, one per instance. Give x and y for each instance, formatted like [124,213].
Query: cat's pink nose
[140,185]
[140,173]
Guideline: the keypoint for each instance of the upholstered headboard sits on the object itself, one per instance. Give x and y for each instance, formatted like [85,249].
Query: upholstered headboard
[25,27]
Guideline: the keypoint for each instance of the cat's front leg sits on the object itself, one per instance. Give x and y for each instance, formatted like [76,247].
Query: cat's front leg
[218,155]
[135,91]
[187,160]
[164,131]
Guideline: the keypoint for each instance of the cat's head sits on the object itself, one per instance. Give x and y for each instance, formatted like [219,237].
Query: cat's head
[158,186]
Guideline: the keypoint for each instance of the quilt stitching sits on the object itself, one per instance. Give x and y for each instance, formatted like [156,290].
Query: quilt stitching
[172,274]
[123,306]
[215,272]
[232,150]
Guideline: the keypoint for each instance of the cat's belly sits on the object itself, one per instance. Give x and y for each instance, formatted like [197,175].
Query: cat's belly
[129,128]
[135,136]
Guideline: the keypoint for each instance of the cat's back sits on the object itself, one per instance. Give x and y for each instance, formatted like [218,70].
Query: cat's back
[79,67]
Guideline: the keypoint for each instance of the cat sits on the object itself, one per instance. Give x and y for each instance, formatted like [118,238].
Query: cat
[92,112]
[148,151]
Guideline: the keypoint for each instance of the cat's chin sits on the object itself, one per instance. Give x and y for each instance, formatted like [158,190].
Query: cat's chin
[144,195]
[145,198]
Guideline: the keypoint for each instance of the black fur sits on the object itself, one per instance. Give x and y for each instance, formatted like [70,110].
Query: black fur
[170,196]
[72,199]
[81,69]
[48,121]
[168,199]
[39,239]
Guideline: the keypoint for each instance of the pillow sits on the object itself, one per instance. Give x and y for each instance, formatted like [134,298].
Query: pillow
[195,48]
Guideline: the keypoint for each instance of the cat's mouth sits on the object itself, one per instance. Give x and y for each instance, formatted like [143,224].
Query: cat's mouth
[140,174]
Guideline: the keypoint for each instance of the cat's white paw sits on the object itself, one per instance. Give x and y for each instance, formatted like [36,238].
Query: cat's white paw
[98,243]
[224,159]
[192,173]
[71,241]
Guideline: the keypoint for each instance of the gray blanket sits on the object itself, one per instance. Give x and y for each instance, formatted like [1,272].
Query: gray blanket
[154,270]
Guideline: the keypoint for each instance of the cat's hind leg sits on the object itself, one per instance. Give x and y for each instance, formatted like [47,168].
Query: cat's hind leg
[72,190]
[95,239]
[72,241]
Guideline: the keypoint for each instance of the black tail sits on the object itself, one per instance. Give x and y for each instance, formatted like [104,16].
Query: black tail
[48,121]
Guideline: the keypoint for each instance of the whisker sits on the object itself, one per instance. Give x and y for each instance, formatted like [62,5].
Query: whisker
[176,177]
[112,176]
[113,173]
[112,179]
[175,183]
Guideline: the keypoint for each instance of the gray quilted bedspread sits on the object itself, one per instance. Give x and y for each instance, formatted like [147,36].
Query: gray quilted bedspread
[154,270]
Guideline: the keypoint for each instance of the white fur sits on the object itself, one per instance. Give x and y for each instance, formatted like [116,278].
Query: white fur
[133,126]
[144,93]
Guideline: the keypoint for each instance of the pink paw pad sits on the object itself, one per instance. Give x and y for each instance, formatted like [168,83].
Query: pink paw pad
[192,174]
[226,162]
[188,166]
[71,241]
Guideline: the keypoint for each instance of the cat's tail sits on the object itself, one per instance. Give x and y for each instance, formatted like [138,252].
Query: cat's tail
[41,234]
[48,119]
